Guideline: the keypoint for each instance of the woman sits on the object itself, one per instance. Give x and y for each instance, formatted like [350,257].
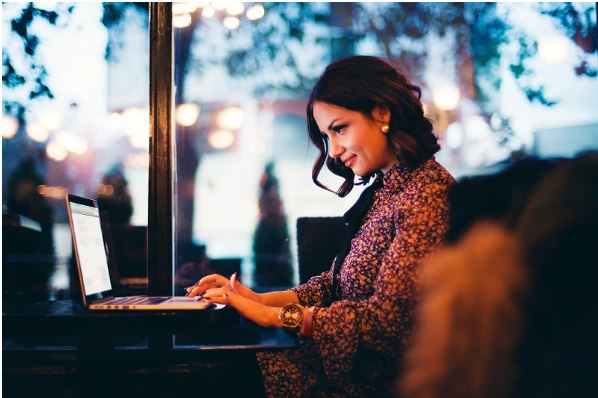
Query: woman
[366,119]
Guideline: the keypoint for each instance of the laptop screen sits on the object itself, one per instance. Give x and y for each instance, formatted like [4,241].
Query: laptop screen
[89,244]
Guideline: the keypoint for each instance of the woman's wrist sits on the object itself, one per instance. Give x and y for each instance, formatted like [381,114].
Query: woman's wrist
[306,326]
[249,293]
[258,297]
[275,317]
[277,298]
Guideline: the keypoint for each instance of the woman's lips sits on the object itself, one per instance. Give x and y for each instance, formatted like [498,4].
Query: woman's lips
[349,162]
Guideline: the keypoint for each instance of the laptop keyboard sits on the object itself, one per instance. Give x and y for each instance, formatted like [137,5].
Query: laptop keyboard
[137,300]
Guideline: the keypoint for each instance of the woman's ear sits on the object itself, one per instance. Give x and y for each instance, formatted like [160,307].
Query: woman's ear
[381,114]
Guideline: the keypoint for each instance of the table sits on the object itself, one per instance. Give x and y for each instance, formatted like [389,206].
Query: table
[63,347]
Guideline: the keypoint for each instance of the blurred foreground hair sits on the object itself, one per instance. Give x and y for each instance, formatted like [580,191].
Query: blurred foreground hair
[470,321]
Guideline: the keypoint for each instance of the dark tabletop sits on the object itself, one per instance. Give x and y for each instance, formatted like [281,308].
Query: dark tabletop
[66,321]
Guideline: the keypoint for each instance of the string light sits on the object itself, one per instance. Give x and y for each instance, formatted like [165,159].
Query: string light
[202,3]
[56,152]
[37,132]
[139,141]
[255,12]
[231,23]
[52,191]
[181,21]
[208,12]
[187,114]
[136,120]
[219,5]
[235,8]
[231,118]
[10,125]
[183,8]
[446,98]
[221,139]
[105,190]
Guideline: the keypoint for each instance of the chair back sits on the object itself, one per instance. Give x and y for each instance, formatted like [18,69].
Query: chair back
[318,240]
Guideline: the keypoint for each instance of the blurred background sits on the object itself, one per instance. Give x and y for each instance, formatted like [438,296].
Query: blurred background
[500,81]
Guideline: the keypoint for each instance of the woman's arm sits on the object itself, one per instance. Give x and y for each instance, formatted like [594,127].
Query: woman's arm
[278,299]
[260,313]
[272,299]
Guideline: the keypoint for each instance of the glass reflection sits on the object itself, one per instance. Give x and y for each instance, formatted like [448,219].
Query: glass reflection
[75,119]
[489,94]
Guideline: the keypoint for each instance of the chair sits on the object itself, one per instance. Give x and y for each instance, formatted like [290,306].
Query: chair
[318,240]
[128,244]
[127,258]
[27,259]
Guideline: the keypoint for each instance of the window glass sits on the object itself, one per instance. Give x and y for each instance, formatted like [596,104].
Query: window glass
[498,81]
[75,119]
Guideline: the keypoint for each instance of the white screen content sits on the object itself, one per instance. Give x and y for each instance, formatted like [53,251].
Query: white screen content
[90,248]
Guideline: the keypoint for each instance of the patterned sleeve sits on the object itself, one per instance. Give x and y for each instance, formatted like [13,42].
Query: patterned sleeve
[382,322]
[317,291]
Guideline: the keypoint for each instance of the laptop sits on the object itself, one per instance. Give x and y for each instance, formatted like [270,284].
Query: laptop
[92,266]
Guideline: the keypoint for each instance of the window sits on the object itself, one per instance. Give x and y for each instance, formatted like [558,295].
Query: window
[243,72]
[498,80]
[75,119]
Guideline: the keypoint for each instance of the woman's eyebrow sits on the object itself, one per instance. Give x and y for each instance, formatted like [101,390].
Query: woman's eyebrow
[331,123]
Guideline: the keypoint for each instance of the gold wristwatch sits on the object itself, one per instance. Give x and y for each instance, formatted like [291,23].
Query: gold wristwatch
[291,316]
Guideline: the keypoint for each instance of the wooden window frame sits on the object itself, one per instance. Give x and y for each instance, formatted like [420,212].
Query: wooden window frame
[160,224]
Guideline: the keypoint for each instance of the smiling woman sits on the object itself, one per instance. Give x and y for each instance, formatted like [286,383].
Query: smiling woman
[354,320]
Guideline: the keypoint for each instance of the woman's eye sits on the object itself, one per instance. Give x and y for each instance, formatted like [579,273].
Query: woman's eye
[339,129]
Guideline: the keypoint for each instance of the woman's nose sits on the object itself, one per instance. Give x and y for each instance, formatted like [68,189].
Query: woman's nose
[334,149]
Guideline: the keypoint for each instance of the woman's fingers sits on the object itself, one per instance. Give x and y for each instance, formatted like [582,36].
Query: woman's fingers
[210,281]
[205,283]
[213,278]
[233,282]
[218,295]
[217,292]
[193,291]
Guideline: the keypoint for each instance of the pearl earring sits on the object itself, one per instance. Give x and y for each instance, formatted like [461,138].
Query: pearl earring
[385,128]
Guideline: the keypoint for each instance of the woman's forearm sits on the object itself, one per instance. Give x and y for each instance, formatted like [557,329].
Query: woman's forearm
[278,299]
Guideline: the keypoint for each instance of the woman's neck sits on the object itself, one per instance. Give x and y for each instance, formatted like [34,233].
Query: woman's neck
[386,169]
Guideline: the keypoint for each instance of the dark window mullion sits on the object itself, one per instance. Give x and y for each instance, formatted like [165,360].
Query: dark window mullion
[161,178]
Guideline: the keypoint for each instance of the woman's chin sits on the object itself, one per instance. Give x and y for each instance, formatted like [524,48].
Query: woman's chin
[361,172]
[357,172]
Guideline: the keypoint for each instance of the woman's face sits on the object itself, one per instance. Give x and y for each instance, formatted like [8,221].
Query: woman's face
[355,139]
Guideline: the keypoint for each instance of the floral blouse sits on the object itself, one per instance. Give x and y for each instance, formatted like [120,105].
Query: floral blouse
[357,340]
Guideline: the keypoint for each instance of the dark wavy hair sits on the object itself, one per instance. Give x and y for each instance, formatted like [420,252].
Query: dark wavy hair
[360,83]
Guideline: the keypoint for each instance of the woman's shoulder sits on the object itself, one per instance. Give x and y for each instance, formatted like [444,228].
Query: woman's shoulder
[427,185]
[430,178]
[432,172]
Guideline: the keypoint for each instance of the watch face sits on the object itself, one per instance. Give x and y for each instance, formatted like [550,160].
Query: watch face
[291,315]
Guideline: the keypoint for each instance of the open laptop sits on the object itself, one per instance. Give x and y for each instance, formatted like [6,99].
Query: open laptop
[92,266]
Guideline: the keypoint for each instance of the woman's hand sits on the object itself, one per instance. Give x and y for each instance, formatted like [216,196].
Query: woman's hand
[259,313]
[215,281]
